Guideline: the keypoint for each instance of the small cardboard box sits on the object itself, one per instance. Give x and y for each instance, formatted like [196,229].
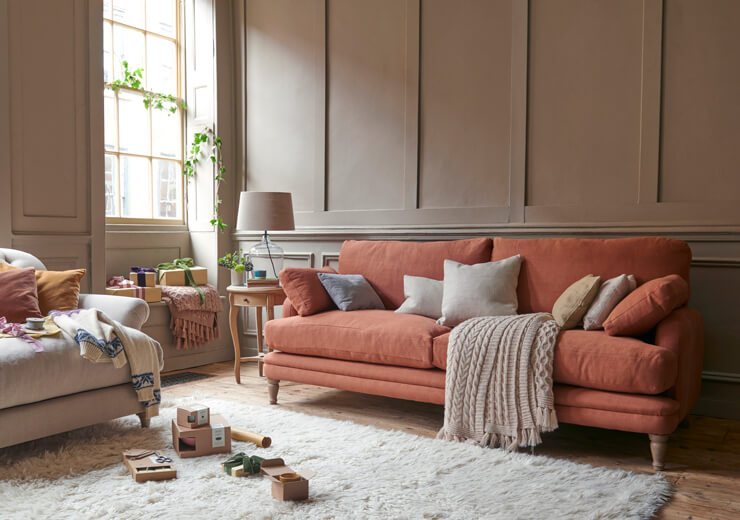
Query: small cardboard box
[206,440]
[295,490]
[148,294]
[145,279]
[177,276]
[193,416]
[143,466]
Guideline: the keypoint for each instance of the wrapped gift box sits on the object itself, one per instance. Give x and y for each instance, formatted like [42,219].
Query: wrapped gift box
[206,440]
[177,276]
[148,294]
[143,278]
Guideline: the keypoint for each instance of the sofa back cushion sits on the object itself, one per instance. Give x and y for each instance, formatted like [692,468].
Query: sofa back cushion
[550,265]
[384,263]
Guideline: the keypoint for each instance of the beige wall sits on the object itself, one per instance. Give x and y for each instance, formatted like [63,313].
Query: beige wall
[51,193]
[434,119]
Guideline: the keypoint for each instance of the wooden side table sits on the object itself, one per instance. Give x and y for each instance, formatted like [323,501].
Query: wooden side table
[258,297]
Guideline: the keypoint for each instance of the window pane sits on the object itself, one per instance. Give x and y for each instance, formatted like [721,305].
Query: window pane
[111,187]
[167,186]
[162,65]
[107,53]
[109,107]
[107,9]
[134,123]
[161,17]
[130,12]
[135,188]
[128,45]
[166,134]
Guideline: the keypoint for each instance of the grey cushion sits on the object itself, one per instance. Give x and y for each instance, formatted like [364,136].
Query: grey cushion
[487,289]
[350,292]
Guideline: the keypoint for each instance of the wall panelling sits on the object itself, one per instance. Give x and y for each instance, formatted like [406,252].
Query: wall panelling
[430,120]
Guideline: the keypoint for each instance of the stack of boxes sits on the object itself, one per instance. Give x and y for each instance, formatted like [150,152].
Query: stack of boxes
[196,432]
[143,284]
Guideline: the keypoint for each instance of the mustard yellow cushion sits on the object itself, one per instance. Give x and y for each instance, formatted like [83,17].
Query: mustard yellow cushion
[57,290]
[571,306]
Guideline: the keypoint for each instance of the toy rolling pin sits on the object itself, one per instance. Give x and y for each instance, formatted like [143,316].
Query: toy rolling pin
[243,435]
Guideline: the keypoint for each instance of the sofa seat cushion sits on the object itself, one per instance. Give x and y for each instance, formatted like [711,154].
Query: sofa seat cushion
[592,359]
[28,377]
[372,336]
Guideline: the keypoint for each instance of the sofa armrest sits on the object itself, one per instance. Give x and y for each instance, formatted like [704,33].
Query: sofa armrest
[682,332]
[132,312]
[288,309]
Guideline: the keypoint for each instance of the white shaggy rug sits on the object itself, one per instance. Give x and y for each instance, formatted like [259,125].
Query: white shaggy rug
[363,472]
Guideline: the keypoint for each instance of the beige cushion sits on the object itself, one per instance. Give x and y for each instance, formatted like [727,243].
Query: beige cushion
[570,306]
[487,289]
[423,297]
[610,294]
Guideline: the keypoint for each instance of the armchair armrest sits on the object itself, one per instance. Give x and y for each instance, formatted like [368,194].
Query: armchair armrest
[288,309]
[682,332]
[132,312]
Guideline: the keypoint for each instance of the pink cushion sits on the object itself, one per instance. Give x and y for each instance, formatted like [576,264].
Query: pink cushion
[383,263]
[646,306]
[550,265]
[372,336]
[18,296]
[304,290]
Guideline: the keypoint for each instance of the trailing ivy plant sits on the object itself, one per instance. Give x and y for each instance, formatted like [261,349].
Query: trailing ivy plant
[132,79]
[201,140]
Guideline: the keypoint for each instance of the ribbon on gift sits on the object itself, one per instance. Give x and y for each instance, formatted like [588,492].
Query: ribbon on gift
[251,465]
[119,282]
[185,264]
[18,330]
[141,274]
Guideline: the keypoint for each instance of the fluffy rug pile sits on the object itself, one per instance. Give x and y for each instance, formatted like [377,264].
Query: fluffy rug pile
[363,472]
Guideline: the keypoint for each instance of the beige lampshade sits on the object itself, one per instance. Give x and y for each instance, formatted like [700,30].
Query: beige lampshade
[265,211]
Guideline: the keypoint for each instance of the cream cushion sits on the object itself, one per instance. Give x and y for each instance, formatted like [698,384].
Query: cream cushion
[570,306]
[610,294]
[423,296]
[487,289]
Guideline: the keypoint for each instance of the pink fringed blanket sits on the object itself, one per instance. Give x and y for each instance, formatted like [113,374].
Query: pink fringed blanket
[192,324]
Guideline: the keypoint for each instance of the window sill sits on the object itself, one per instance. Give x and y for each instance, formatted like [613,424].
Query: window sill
[146,228]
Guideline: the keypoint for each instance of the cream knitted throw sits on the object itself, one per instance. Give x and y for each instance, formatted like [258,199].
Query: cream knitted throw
[498,388]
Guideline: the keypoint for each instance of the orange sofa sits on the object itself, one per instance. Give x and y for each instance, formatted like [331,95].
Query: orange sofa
[646,385]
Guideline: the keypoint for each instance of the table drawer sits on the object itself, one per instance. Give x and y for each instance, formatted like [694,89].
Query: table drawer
[257,299]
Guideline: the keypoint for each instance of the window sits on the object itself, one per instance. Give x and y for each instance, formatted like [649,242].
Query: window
[143,146]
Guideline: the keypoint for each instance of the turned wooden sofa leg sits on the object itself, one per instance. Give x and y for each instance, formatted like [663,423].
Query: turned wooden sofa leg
[273,385]
[658,445]
[144,419]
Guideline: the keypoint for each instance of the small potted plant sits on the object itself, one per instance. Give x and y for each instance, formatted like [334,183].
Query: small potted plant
[238,265]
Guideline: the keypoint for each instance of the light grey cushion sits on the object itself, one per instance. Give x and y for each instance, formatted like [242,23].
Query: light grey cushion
[423,296]
[610,294]
[350,292]
[487,289]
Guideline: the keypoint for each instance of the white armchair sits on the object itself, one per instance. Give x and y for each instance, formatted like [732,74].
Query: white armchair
[49,392]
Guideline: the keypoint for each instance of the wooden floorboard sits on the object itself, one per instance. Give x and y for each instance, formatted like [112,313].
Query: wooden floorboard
[703,460]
